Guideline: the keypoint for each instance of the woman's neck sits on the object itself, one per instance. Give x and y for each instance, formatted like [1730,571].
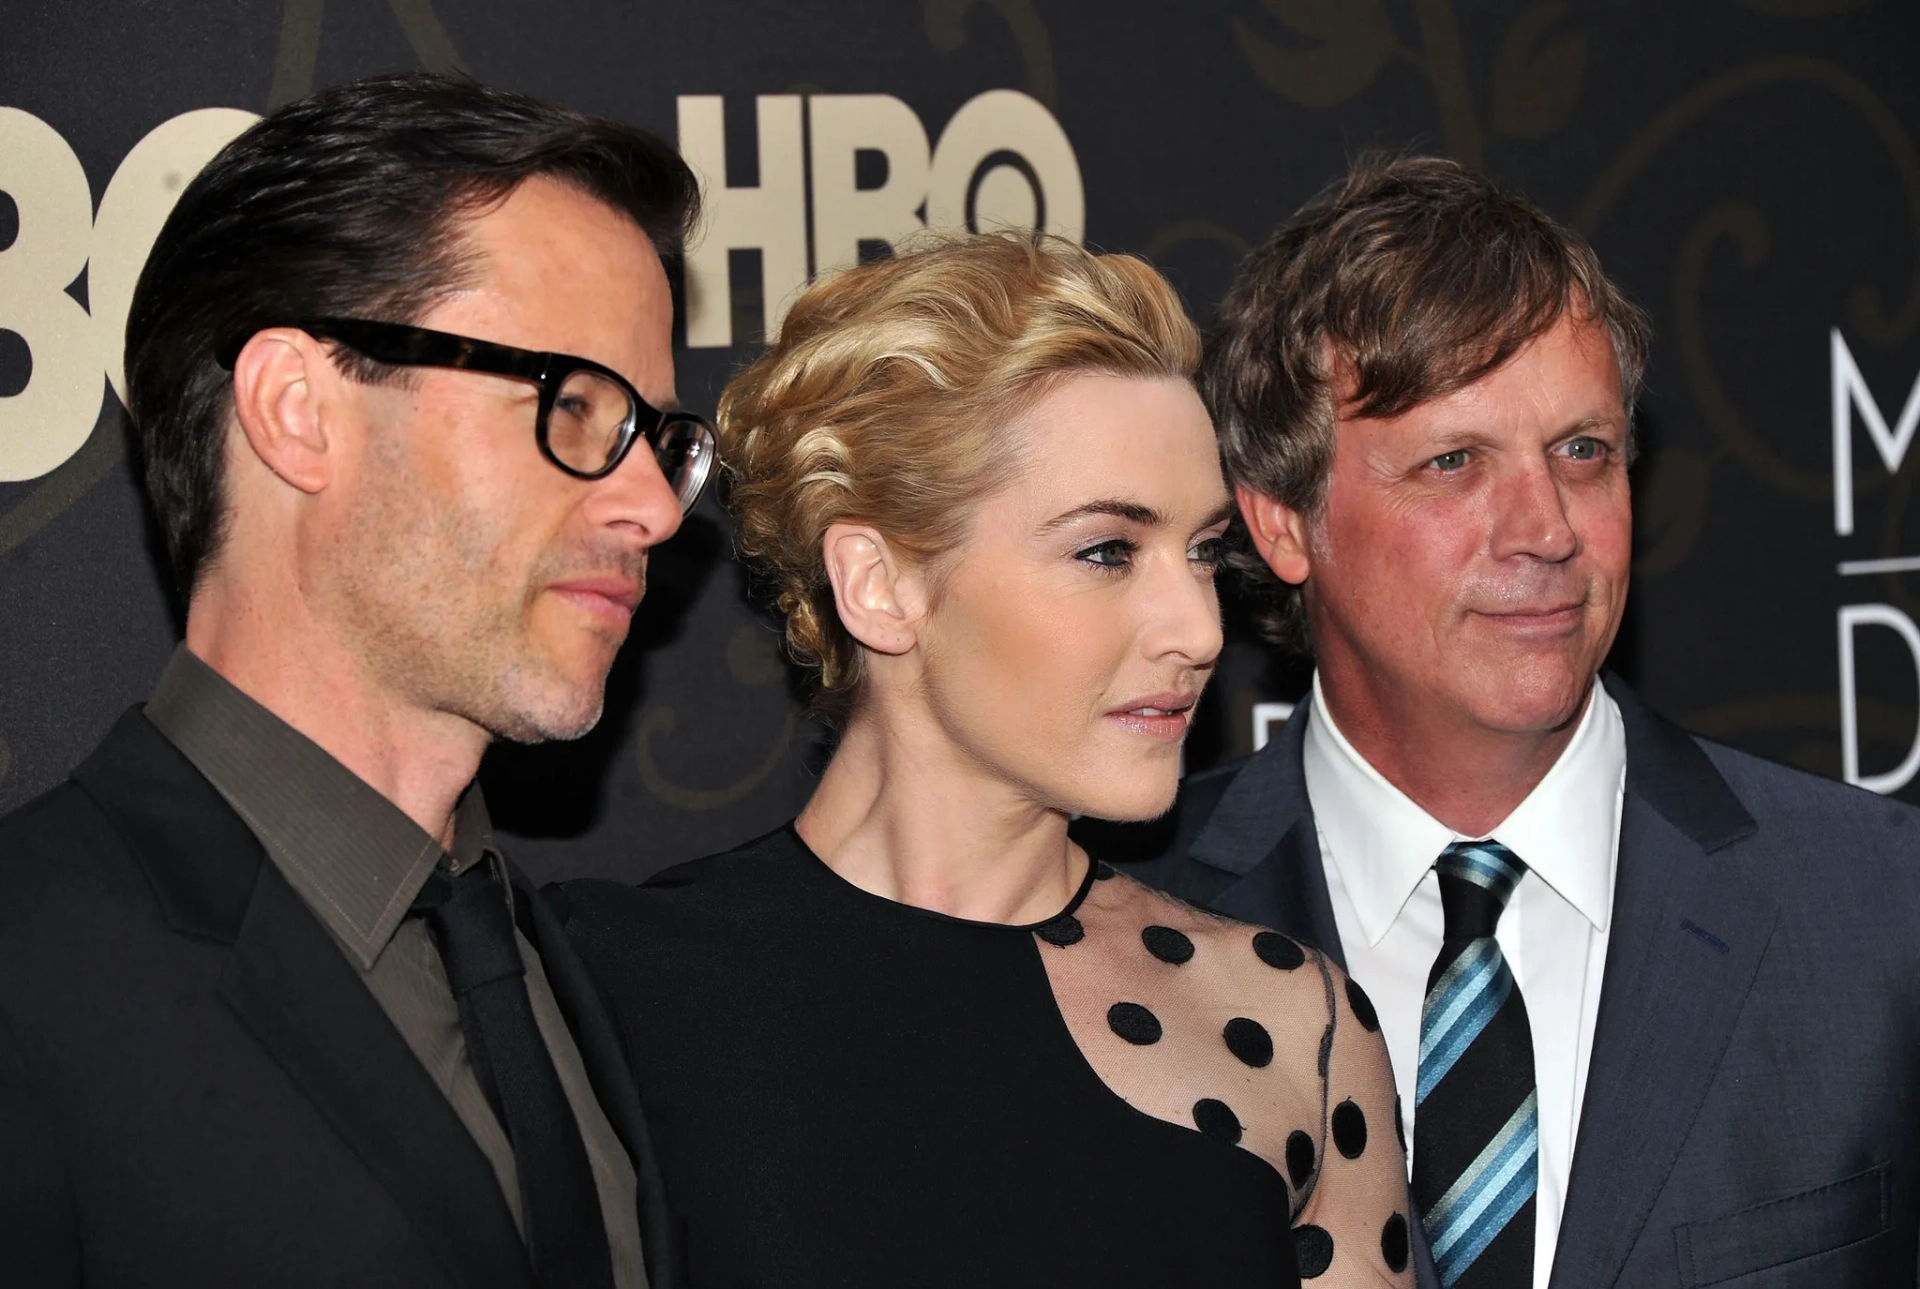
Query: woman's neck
[903,813]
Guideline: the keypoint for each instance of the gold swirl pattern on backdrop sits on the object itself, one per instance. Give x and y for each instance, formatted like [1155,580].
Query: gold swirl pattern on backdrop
[946,23]
[753,659]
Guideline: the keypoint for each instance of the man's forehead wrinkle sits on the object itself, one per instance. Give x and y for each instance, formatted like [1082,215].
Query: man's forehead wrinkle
[1499,403]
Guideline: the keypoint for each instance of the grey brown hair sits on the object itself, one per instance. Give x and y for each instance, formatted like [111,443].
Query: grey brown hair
[1409,278]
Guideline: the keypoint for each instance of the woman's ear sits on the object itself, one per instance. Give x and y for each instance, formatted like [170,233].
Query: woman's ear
[879,598]
[1279,533]
[277,400]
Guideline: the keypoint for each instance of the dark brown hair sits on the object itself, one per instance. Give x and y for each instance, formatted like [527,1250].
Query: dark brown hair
[345,203]
[1408,279]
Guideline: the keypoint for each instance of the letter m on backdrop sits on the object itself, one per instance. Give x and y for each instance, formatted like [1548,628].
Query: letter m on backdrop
[1850,392]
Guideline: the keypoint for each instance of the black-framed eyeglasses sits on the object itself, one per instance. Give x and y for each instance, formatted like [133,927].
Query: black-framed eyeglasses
[589,416]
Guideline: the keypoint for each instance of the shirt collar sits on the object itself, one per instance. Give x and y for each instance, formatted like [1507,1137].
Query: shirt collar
[1384,844]
[353,856]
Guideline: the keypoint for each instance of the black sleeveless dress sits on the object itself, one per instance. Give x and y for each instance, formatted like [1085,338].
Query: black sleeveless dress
[848,1091]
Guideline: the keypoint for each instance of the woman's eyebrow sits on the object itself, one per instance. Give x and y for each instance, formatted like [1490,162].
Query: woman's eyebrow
[1219,516]
[1132,511]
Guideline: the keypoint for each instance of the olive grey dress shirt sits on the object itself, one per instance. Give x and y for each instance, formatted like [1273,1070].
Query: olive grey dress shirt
[358,861]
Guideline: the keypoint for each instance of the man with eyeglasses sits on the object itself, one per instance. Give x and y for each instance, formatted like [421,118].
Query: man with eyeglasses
[273,1007]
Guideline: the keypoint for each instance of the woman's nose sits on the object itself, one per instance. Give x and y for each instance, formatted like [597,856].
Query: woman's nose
[1184,622]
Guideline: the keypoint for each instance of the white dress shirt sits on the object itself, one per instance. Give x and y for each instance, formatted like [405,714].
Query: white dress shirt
[1378,849]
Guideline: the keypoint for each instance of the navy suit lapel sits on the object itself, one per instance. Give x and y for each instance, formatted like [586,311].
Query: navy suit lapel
[300,998]
[1287,890]
[1262,835]
[1685,942]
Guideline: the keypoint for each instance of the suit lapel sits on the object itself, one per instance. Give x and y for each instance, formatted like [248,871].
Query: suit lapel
[1262,835]
[297,994]
[613,1081]
[1685,942]
[1287,890]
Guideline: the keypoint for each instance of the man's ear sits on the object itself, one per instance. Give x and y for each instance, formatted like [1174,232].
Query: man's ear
[880,599]
[278,379]
[1279,533]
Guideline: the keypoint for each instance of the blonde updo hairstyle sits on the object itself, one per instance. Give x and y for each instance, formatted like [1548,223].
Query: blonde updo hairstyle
[893,399]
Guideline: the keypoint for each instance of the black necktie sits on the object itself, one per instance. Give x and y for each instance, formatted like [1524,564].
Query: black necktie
[472,922]
[1476,1156]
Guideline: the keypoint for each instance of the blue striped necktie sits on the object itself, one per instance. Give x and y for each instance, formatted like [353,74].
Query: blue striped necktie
[1476,1138]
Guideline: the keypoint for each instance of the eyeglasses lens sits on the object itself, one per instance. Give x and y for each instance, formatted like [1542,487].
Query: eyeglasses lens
[589,419]
[684,450]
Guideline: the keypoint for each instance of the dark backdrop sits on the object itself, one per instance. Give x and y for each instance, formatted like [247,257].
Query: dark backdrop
[1746,170]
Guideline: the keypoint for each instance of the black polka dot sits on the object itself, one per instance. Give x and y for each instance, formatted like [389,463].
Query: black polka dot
[1313,1249]
[1362,1007]
[1134,1023]
[1102,870]
[1349,1129]
[1299,1158]
[1216,1120]
[1063,931]
[1399,1125]
[1167,944]
[1249,1040]
[1277,951]
[1393,1243]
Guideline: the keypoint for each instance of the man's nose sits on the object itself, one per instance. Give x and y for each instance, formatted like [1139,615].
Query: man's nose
[1530,516]
[636,500]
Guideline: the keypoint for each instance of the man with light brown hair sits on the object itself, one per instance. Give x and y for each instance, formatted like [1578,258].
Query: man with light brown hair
[1689,1050]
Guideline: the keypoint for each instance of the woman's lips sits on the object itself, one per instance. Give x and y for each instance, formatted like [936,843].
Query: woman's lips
[1164,717]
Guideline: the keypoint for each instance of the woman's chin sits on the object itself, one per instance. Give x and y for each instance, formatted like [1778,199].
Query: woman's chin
[1129,803]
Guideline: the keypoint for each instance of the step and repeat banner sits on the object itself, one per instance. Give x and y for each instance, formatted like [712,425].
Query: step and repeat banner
[1748,170]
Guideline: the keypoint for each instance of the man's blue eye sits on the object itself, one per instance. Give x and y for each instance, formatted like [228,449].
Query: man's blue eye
[1453,460]
[1585,449]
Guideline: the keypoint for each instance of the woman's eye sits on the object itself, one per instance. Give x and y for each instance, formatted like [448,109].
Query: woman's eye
[1210,551]
[1117,553]
[1450,461]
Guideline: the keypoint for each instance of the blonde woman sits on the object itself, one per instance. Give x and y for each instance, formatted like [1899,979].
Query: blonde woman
[918,1036]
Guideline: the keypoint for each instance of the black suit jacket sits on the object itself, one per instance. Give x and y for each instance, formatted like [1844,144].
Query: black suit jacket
[1752,1110]
[196,1088]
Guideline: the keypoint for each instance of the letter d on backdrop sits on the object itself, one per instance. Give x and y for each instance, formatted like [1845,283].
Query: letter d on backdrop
[1872,615]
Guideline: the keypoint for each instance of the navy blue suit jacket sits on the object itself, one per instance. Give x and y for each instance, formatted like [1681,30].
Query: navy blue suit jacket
[1752,1111]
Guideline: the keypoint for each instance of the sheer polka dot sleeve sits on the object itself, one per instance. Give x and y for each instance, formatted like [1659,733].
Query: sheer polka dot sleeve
[1255,1041]
[1352,1229]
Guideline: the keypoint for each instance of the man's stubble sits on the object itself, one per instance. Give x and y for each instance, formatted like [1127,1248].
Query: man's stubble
[429,599]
